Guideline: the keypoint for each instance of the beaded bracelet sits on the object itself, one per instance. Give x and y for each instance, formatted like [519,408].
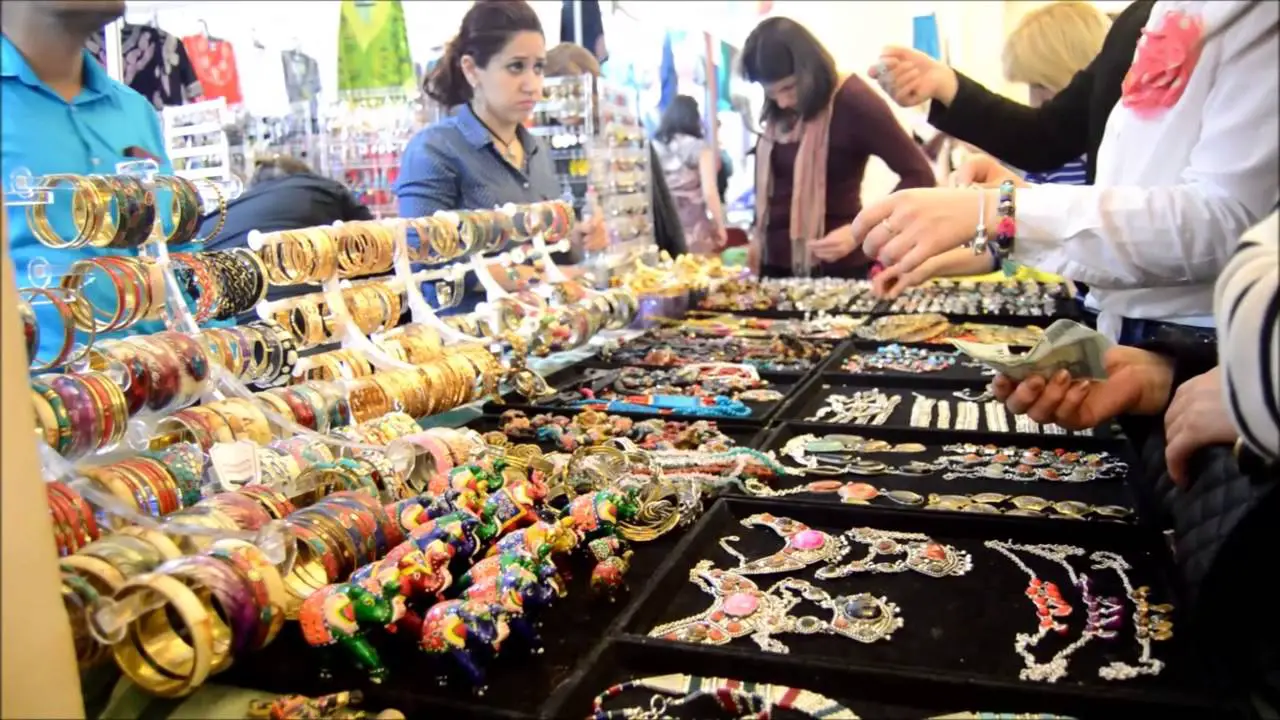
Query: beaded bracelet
[1006,229]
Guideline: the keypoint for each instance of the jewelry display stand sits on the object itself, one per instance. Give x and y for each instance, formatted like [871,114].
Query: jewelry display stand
[602,160]
[913,552]
[195,140]
[1007,302]
[364,136]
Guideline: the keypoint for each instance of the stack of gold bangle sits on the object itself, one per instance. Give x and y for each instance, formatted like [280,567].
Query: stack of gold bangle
[222,421]
[415,343]
[337,365]
[67,304]
[373,307]
[313,255]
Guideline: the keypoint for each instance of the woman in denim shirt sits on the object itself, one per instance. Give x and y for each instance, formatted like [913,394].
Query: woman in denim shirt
[482,157]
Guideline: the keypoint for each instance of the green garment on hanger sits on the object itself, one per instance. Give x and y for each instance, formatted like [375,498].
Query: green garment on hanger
[373,47]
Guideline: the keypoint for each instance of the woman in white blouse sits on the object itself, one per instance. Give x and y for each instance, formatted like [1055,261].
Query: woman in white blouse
[1189,161]
[1234,402]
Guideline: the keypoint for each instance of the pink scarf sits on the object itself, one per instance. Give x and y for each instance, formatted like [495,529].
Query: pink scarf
[809,183]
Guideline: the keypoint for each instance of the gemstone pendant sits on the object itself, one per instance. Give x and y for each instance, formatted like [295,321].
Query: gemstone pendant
[989,497]
[905,497]
[1029,502]
[1072,508]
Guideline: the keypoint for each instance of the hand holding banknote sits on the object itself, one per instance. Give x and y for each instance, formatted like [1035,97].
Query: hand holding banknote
[1136,382]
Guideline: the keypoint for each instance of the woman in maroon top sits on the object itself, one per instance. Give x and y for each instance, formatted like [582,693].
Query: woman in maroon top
[819,131]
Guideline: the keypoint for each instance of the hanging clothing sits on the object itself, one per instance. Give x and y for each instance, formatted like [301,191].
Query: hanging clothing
[301,76]
[668,78]
[302,82]
[265,90]
[725,64]
[215,64]
[373,47]
[592,27]
[154,63]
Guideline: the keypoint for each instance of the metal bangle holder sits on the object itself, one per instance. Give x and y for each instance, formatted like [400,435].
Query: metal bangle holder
[178,317]
[108,620]
[272,538]
[28,191]
[25,190]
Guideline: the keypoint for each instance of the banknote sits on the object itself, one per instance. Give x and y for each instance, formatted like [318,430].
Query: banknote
[1065,345]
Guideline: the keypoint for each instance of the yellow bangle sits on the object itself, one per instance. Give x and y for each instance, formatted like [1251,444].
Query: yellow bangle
[152,653]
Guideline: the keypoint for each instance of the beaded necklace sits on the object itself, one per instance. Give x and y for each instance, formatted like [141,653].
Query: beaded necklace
[718,406]
[744,700]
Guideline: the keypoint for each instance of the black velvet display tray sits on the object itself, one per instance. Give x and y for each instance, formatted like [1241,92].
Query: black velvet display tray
[571,378]
[813,397]
[1066,309]
[956,376]
[1114,491]
[744,434]
[958,632]
[518,682]
[880,696]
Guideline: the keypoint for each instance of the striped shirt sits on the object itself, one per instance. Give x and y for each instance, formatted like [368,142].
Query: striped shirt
[1073,173]
[455,164]
[1247,309]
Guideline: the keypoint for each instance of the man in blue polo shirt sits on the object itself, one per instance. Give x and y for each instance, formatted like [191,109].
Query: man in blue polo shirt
[61,113]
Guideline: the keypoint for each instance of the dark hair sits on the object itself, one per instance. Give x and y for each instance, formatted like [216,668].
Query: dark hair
[486,28]
[571,59]
[779,48]
[278,166]
[680,118]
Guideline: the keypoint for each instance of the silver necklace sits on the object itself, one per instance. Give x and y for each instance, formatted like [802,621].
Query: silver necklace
[1102,614]
[944,415]
[741,609]
[1151,623]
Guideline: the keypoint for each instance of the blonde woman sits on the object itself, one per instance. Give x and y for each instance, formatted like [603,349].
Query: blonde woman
[1047,48]
[1045,51]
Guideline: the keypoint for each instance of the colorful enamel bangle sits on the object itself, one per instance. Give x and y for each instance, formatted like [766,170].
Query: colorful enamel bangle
[238,614]
[262,579]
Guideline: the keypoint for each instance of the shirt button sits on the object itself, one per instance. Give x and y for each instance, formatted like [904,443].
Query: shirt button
[96,161]
[526,186]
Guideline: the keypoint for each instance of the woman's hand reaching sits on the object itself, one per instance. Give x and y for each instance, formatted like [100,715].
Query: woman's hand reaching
[983,170]
[910,77]
[590,235]
[1138,382]
[1196,418]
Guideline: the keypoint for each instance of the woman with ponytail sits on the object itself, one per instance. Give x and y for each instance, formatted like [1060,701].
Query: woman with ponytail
[481,156]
